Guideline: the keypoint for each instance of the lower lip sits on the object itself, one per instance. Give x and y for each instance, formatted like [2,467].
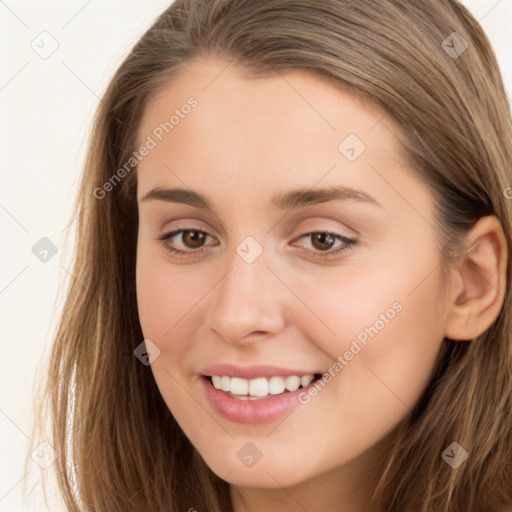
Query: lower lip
[263,410]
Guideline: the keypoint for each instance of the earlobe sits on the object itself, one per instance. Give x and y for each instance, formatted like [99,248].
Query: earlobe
[481,277]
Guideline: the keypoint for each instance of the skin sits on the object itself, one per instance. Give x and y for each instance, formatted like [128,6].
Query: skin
[247,140]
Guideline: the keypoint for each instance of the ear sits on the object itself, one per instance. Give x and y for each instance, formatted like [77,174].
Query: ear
[479,285]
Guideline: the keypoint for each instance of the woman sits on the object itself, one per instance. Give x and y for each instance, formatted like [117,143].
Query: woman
[292,275]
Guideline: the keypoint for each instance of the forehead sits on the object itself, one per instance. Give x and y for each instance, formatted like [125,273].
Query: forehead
[288,127]
[290,104]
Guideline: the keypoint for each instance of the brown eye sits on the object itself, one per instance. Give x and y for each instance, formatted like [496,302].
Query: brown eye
[193,239]
[323,244]
[185,242]
[322,241]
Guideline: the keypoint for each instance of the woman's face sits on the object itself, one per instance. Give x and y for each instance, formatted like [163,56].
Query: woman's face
[307,249]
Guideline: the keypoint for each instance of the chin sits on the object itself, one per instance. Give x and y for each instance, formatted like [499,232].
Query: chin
[272,472]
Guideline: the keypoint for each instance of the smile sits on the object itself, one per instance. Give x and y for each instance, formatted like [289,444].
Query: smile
[261,387]
[258,394]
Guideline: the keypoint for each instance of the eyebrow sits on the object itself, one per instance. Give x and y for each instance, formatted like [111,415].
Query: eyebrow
[285,201]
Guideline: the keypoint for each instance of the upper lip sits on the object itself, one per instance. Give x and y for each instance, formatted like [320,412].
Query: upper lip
[252,372]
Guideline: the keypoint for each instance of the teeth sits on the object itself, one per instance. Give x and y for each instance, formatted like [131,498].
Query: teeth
[305,380]
[239,386]
[225,383]
[216,380]
[260,387]
[276,385]
[292,383]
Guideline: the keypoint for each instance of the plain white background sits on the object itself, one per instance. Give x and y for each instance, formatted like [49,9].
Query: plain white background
[46,107]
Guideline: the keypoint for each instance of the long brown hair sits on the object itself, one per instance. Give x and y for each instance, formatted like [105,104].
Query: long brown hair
[119,447]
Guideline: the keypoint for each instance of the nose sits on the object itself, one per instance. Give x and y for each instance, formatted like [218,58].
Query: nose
[248,303]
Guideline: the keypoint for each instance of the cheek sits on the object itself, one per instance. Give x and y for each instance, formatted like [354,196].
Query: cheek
[167,294]
[168,303]
[388,325]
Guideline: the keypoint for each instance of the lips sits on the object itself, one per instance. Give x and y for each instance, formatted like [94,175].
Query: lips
[256,394]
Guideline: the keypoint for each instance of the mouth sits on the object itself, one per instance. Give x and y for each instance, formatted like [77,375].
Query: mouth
[261,387]
[256,395]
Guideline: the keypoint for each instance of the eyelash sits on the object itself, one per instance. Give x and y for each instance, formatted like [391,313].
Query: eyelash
[348,244]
